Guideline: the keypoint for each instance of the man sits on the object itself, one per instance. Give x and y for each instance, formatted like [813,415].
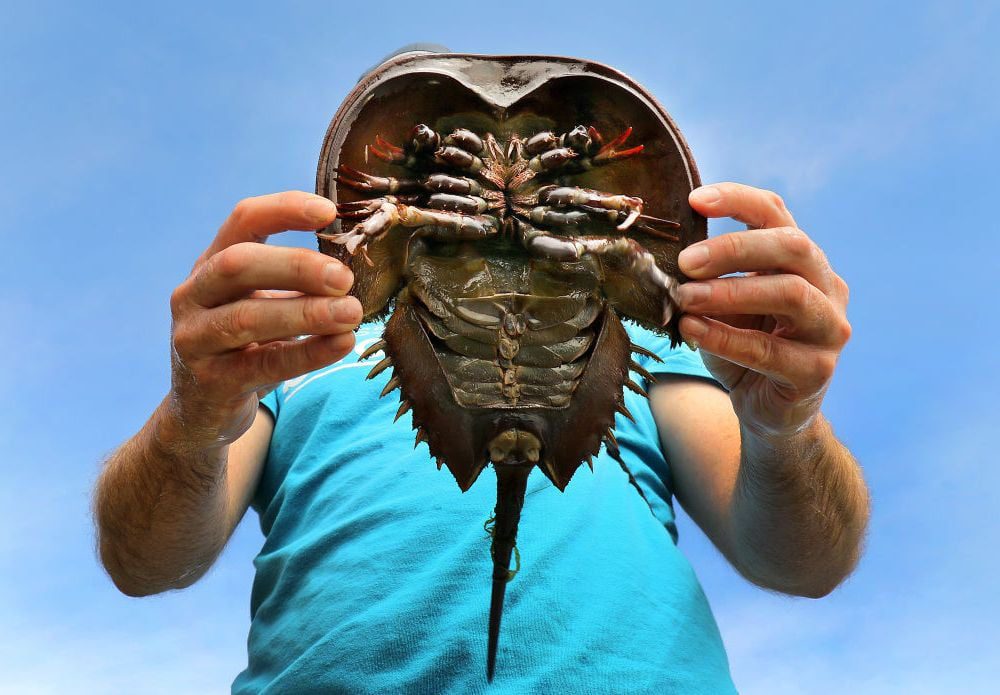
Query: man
[374,574]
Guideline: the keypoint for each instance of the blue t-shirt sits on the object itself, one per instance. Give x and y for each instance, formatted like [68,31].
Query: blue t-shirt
[375,573]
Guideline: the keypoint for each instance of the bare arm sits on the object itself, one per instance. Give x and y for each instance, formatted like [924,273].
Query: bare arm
[790,520]
[169,498]
[760,470]
[166,507]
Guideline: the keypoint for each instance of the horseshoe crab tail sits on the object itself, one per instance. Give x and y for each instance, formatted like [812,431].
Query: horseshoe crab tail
[512,480]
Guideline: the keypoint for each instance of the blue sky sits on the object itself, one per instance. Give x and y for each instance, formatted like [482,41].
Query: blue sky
[128,132]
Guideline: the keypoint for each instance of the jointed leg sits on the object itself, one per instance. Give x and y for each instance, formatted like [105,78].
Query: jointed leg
[563,196]
[621,210]
[380,214]
[435,183]
[582,147]
[638,260]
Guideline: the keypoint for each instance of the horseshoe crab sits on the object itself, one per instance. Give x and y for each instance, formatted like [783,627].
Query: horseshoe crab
[505,213]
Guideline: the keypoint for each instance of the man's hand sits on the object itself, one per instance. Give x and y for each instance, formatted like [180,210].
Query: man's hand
[238,318]
[772,336]
[169,498]
[771,485]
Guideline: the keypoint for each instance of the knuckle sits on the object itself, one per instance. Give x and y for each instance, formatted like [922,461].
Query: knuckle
[776,201]
[304,264]
[315,313]
[843,331]
[182,339]
[273,363]
[231,261]
[312,354]
[796,243]
[721,340]
[729,293]
[237,324]
[178,298]
[759,350]
[208,378]
[825,365]
[798,293]
[242,209]
[241,319]
[733,245]
[818,257]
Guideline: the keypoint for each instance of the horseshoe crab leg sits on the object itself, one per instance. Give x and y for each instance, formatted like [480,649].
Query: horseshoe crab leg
[435,183]
[360,181]
[563,196]
[381,214]
[581,147]
[639,261]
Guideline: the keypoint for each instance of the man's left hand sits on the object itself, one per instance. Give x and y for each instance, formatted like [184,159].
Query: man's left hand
[772,335]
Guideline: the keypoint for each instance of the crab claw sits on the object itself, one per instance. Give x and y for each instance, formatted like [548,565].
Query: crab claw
[620,140]
[648,224]
[359,209]
[386,151]
[633,207]
[359,180]
[376,217]
[609,152]
[633,215]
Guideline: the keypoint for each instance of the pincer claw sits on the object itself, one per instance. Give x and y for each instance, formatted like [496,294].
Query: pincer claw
[610,151]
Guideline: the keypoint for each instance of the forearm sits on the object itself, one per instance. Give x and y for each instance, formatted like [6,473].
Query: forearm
[799,511]
[160,507]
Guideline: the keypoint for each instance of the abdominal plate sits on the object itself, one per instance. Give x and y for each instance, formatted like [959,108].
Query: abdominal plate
[510,350]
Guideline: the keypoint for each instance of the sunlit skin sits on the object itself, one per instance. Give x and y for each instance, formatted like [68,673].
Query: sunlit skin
[758,468]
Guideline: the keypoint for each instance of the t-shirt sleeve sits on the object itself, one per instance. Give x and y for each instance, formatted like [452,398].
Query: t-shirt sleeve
[680,360]
[270,401]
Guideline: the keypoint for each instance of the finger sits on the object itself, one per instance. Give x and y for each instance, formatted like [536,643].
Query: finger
[800,369]
[274,294]
[238,270]
[254,219]
[261,366]
[237,325]
[754,206]
[803,311]
[785,249]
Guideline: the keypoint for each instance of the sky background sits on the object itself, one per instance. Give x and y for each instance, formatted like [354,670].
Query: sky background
[129,130]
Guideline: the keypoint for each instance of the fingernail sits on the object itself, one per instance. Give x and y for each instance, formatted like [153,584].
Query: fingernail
[706,195]
[693,257]
[338,277]
[694,330]
[320,210]
[695,293]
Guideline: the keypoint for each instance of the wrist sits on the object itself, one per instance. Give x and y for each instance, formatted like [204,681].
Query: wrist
[176,433]
[801,445]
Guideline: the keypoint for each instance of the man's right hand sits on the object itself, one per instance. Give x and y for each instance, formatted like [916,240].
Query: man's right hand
[238,320]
